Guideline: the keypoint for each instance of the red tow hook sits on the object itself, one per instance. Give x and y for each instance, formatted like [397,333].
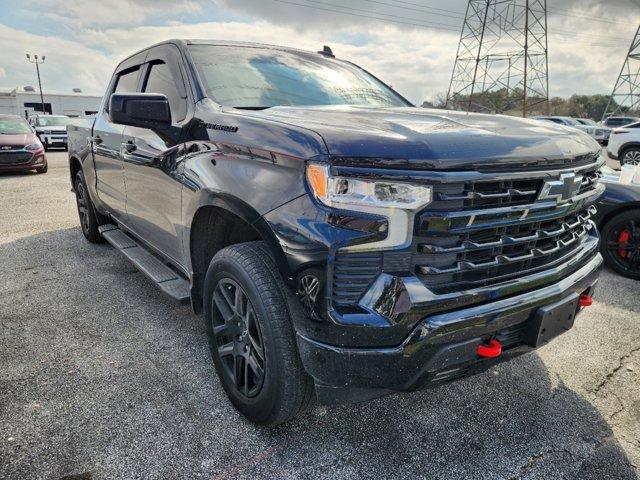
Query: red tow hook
[586,300]
[492,350]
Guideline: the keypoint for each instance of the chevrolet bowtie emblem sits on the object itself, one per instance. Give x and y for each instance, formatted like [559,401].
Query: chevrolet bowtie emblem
[563,190]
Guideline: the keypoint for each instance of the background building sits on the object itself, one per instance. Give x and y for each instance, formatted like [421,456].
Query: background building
[25,101]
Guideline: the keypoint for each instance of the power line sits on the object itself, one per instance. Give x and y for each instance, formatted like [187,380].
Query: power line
[398,19]
[457,15]
[555,11]
[380,14]
[368,16]
[460,16]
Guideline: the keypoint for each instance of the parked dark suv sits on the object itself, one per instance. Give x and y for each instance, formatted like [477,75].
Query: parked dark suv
[342,243]
[20,148]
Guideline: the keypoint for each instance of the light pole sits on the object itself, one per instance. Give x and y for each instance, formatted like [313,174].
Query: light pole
[38,62]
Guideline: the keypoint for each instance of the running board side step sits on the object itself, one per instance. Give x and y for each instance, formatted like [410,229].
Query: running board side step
[169,281]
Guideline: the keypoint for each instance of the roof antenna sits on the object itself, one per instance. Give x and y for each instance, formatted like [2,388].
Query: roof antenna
[326,50]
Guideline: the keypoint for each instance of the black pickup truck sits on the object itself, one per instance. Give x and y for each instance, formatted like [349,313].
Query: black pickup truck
[342,243]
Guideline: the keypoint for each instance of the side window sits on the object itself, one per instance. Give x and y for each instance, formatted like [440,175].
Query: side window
[160,80]
[127,81]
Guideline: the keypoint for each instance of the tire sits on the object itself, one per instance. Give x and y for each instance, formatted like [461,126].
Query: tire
[254,334]
[43,169]
[621,251]
[630,156]
[90,220]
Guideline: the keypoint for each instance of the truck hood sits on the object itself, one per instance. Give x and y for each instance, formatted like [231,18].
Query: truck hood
[431,138]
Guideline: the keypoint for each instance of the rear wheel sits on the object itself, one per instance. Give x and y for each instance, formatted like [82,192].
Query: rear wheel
[620,244]
[630,156]
[90,220]
[251,336]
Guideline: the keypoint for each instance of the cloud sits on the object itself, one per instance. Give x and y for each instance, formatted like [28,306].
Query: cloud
[113,12]
[586,50]
[68,63]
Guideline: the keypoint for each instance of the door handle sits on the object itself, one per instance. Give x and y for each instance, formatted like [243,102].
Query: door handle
[129,146]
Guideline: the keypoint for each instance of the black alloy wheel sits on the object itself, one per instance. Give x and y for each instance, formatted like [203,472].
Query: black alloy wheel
[239,338]
[248,318]
[621,243]
[90,220]
[83,206]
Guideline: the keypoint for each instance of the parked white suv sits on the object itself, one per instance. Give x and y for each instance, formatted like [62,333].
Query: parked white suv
[600,134]
[624,144]
[51,129]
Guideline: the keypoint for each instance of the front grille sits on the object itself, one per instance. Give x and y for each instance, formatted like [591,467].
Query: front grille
[8,157]
[459,247]
[480,233]
[471,196]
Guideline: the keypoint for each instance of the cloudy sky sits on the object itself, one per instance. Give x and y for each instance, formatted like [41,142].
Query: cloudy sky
[411,44]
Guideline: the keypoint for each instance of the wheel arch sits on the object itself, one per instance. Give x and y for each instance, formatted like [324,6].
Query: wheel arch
[626,146]
[618,209]
[221,220]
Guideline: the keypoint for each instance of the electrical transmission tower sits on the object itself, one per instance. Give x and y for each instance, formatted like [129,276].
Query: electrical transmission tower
[625,97]
[501,64]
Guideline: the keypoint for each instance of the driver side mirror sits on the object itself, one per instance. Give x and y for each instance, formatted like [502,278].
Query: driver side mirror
[145,110]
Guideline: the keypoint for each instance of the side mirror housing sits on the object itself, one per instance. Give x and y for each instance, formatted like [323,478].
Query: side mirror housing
[145,110]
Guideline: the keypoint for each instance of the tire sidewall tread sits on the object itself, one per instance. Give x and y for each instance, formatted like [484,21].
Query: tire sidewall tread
[287,388]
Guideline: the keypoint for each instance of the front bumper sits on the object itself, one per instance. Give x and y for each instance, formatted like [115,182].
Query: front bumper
[53,139]
[12,162]
[440,348]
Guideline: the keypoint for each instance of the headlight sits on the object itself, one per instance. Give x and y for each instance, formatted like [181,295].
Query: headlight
[590,131]
[33,146]
[348,192]
[397,201]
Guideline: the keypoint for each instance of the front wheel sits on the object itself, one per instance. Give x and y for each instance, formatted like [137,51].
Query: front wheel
[620,243]
[43,169]
[251,335]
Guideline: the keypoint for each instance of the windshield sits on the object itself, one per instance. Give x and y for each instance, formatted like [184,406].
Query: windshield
[53,121]
[13,126]
[619,121]
[571,121]
[251,77]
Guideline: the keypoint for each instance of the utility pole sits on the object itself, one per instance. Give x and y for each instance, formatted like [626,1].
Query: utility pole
[625,97]
[501,63]
[38,62]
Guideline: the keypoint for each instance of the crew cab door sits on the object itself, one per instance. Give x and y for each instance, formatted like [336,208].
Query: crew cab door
[152,165]
[107,140]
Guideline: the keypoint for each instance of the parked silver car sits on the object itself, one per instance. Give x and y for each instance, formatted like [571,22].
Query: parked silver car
[600,134]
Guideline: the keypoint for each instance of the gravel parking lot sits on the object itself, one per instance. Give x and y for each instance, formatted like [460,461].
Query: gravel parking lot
[105,378]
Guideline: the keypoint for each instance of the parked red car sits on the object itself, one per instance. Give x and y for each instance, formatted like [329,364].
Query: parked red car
[20,148]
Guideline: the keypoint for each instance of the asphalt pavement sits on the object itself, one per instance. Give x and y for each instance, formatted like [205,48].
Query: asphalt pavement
[103,377]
